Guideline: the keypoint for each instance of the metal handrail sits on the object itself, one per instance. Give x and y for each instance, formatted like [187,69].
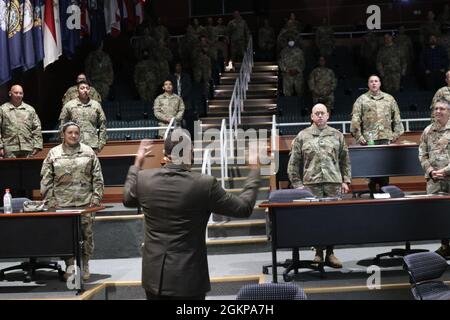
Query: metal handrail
[236,106]
[223,152]
[206,165]
[343,123]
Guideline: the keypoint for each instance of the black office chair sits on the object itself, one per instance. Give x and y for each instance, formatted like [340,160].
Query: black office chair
[32,264]
[396,192]
[289,195]
[271,291]
[424,270]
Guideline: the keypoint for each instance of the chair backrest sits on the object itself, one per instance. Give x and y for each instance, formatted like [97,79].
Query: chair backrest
[425,266]
[271,291]
[289,195]
[17,204]
[394,191]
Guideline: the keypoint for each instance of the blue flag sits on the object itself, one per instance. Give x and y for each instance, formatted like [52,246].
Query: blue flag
[69,11]
[5,72]
[97,16]
[15,33]
[38,38]
[29,58]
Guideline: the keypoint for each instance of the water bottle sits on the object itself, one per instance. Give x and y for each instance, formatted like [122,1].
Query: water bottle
[370,141]
[7,202]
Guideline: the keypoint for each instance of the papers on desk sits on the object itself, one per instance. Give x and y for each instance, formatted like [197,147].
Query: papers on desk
[307,199]
[314,199]
[69,210]
[381,196]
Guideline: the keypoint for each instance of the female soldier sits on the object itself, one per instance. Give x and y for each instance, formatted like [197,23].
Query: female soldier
[71,176]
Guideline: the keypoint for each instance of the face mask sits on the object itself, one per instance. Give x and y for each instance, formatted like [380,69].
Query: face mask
[291,43]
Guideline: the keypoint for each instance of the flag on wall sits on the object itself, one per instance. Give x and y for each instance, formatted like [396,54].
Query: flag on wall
[70,13]
[52,32]
[29,58]
[5,72]
[112,17]
[15,33]
[38,37]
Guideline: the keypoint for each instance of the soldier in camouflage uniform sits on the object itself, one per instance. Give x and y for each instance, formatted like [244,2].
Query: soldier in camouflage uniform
[211,30]
[292,64]
[390,65]
[368,52]
[442,94]
[187,45]
[376,120]
[434,156]
[146,78]
[320,162]
[199,30]
[160,32]
[325,39]
[167,106]
[405,45]
[238,34]
[99,70]
[266,41]
[72,92]
[203,64]
[288,33]
[143,43]
[162,56]
[71,176]
[89,115]
[20,127]
[322,83]
[222,42]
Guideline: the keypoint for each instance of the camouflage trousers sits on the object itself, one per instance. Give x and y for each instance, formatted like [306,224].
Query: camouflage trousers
[87,234]
[87,230]
[436,186]
[391,81]
[292,83]
[17,154]
[328,101]
[237,49]
[322,190]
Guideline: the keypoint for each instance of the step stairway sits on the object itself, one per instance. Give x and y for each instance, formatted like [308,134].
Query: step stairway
[239,235]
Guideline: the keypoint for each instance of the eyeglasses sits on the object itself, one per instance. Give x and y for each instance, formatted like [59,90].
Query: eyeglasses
[320,113]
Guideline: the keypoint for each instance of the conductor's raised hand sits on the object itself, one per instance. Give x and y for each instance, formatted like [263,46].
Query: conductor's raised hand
[145,149]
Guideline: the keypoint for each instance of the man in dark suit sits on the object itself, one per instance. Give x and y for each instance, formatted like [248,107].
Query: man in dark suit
[177,204]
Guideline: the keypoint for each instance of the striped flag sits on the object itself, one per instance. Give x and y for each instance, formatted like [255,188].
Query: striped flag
[52,32]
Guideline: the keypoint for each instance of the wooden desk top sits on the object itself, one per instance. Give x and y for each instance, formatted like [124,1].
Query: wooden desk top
[267,204]
[69,212]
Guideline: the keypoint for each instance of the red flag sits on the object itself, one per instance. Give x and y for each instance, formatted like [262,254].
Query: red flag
[52,32]
[85,20]
[112,17]
[139,9]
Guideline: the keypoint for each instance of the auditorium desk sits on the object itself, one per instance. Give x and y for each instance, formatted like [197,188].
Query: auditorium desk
[24,174]
[344,222]
[43,234]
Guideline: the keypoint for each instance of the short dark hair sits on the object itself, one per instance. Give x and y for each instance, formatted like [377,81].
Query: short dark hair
[83,82]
